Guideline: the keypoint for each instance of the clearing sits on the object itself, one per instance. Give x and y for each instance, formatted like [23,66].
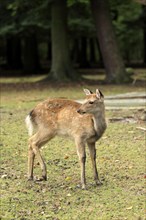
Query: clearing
[120,161]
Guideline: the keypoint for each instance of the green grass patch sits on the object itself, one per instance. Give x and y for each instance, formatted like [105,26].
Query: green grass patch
[120,160]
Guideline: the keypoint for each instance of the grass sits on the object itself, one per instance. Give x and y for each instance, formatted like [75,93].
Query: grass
[120,159]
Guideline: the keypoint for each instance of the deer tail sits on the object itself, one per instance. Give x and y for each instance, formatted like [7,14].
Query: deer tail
[29,124]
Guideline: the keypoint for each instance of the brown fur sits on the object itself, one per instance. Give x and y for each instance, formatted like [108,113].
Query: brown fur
[84,123]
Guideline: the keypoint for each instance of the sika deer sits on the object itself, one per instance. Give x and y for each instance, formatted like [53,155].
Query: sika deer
[84,123]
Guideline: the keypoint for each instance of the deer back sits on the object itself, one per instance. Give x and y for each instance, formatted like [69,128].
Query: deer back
[62,118]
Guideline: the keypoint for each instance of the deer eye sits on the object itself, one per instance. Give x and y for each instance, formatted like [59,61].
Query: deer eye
[91,103]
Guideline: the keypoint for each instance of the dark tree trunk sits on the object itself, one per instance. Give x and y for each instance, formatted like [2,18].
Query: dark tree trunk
[92,51]
[127,55]
[115,69]
[144,33]
[9,52]
[144,59]
[49,51]
[61,64]
[75,54]
[30,55]
[100,61]
[13,53]
[83,53]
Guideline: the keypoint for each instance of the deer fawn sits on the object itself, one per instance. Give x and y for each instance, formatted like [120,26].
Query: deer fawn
[84,123]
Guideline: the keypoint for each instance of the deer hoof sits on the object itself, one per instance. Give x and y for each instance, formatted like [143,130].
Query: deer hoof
[44,178]
[30,178]
[84,187]
[98,183]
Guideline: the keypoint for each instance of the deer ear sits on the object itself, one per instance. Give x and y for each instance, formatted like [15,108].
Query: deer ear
[87,92]
[99,94]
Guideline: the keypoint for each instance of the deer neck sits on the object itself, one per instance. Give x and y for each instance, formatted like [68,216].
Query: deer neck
[99,123]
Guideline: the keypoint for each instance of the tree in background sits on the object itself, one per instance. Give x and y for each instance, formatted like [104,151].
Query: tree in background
[19,24]
[31,61]
[13,52]
[114,65]
[61,68]
[143,16]
[128,25]
[82,32]
[25,30]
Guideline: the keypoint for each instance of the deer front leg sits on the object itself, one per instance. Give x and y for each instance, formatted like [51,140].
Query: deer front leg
[92,151]
[82,158]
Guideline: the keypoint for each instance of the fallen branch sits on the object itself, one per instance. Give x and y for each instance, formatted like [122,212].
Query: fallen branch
[141,128]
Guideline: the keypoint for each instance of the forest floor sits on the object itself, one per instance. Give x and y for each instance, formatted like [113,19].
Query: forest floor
[120,161]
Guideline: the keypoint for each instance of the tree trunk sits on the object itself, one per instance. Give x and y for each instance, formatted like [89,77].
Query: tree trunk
[144,59]
[115,69]
[83,53]
[92,51]
[49,51]
[75,54]
[30,54]
[61,64]
[144,33]
[13,53]
[9,52]
[100,58]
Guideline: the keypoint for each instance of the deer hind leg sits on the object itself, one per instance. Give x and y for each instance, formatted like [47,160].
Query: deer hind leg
[36,142]
[92,151]
[31,157]
[82,158]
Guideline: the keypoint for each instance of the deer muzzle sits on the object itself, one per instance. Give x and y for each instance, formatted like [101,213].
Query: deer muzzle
[80,111]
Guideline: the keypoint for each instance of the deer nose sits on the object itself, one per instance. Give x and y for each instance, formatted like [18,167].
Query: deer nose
[78,111]
[81,111]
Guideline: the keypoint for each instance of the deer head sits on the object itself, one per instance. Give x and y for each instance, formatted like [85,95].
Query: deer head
[93,102]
